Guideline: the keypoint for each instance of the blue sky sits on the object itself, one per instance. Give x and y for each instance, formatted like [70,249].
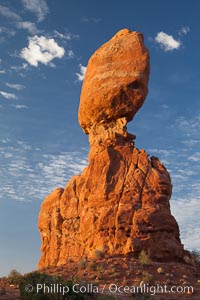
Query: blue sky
[45,46]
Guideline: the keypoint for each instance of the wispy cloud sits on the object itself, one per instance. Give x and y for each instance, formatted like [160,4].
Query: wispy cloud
[186,211]
[195,157]
[67,36]
[179,78]
[167,42]
[8,32]
[82,72]
[38,7]
[8,96]
[189,126]
[8,13]
[184,30]
[70,54]
[17,87]
[29,26]
[2,71]
[26,180]
[20,106]
[24,66]
[191,142]
[165,106]
[88,19]
[41,50]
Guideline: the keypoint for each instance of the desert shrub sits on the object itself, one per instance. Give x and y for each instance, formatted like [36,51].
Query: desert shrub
[144,258]
[28,286]
[93,266]
[14,277]
[92,277]
[195,256]
[82,264]
[99,254]
[100,269]
[116,274]
[147,277]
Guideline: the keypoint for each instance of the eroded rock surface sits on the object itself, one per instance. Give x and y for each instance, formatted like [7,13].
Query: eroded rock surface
[120,202]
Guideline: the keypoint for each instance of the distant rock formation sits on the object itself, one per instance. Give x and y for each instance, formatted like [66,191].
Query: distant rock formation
[120,202]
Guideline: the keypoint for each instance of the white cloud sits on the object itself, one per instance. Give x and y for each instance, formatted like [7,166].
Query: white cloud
[20,106]
[189,126]
[8,96]
[7,31]
[65,36]
[38,7]
[186,212]
[8,13]
[184,30]
[195,157]
[81,75]
[41,49]
[2,71]
[191,142]
[7,155]
[31,27]
[167,42]
[165,106]
[24,66]
[17,87]
[5,141]
[20,176]
[87,20]
[70,54]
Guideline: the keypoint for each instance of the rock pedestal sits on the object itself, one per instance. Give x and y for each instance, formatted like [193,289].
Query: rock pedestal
[120,202]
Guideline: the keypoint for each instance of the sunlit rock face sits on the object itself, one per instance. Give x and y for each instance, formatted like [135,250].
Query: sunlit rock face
[120,202]
[116,80]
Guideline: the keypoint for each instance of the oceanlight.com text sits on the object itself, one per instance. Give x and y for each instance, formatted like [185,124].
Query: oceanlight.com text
[111,288]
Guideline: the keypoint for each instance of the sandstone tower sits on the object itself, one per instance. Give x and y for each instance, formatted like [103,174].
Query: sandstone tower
[120,202]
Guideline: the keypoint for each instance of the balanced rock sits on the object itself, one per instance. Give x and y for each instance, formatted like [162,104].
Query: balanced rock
[120,202]
[116,80]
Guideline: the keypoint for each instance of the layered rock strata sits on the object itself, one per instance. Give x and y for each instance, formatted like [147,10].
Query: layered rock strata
[120,202]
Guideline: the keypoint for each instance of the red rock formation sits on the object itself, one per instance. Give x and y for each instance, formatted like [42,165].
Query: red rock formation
[116,80]
[120,202]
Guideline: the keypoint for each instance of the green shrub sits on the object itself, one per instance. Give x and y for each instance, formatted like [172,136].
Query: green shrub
[82,264]
[28,286]
[14,277]
[195,256]
[144,258]
[100,269]
[93,267]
